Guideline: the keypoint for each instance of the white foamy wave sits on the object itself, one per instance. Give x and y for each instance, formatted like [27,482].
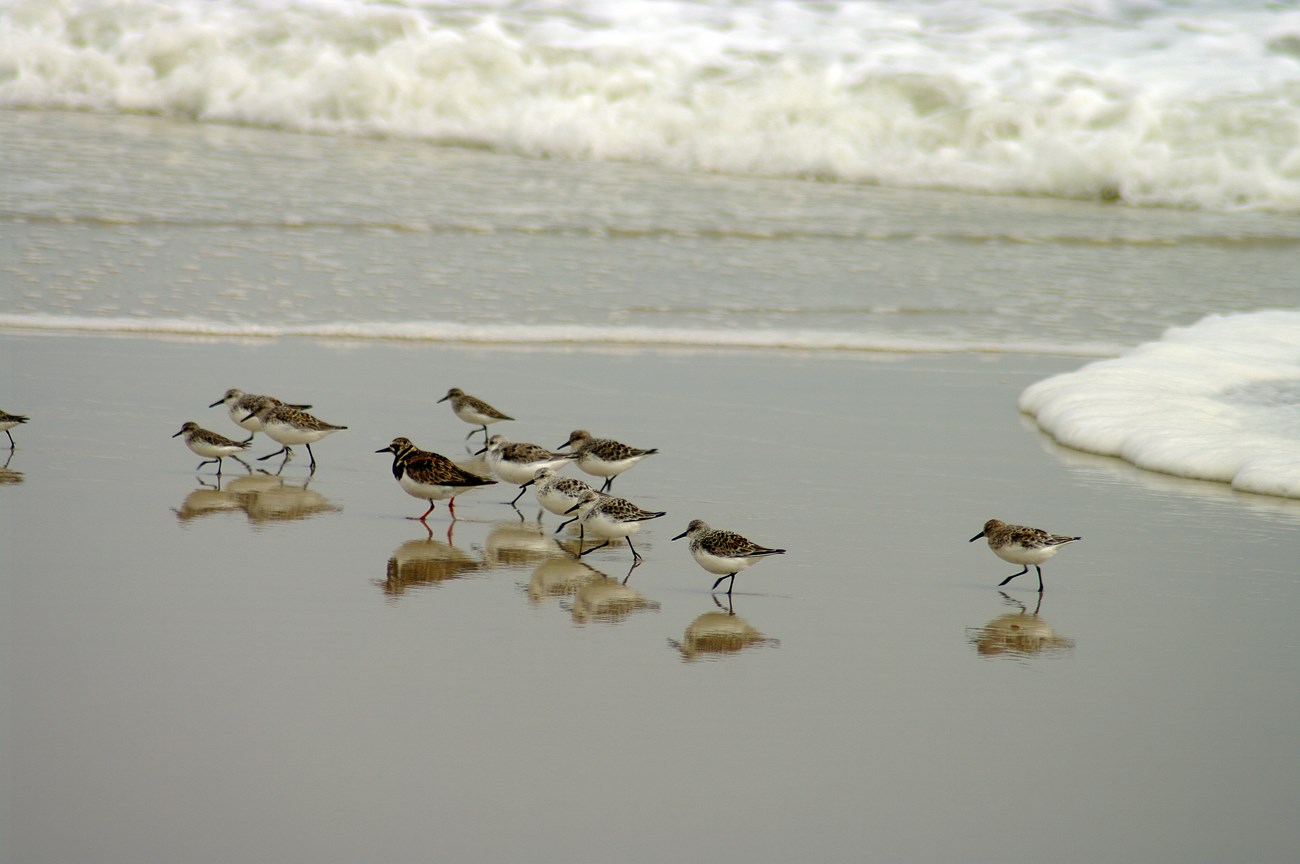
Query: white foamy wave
[527,334]
[1188,104]
[1219,400]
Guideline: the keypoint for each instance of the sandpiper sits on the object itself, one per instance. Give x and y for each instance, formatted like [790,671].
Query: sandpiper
[724,552]
[430,476]
[9,421]
[519,462]
[288,426]
[1021,545]
[604,457]
[556,493]
[472,410]
[242,406]
[211,446]
[608,517]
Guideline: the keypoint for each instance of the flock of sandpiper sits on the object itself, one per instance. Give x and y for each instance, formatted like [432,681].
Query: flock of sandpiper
[433,477]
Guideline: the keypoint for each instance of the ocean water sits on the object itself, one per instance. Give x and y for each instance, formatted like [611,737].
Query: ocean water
[1174,103]
[269,233]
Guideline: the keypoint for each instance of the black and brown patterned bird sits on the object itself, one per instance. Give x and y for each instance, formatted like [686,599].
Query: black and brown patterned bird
[430,476]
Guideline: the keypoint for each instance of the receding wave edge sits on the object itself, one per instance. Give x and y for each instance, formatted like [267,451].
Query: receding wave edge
[557,335]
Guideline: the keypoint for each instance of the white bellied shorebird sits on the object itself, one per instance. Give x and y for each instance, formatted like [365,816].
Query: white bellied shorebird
[1021,545]
[211,446]
[473,410]
[604,457]
[288,426]
[723,552]
[609,518]
[519,462]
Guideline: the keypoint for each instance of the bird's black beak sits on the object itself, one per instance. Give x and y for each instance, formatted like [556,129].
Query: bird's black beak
[443,399]
[562,446]
[526,485]
[388,449]
[976,537]
[683,534]
[571,509]
[480,452]
[251,415]
[215,404]
[178,433]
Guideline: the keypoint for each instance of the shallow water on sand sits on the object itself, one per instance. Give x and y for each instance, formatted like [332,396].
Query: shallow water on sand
[287,669]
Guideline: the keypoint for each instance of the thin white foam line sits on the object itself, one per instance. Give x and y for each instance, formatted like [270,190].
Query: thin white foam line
[577,335]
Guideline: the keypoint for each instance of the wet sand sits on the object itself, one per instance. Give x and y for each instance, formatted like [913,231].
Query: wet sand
[288,669]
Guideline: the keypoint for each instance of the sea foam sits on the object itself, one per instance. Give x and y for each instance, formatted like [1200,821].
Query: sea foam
[1219,400]
[1192,104]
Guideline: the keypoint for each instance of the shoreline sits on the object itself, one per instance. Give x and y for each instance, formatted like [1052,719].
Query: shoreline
[542,337]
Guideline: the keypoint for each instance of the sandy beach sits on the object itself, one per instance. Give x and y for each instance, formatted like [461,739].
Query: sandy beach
[764,238]
[288,669]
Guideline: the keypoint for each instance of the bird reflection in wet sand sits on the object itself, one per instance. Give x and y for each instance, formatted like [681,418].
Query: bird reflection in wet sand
[519,544]
[9,475]
[608,601]
[271,499]
[560,577]
[262,498]
[1018,634]
[426,562]
[209,498]
[719,633]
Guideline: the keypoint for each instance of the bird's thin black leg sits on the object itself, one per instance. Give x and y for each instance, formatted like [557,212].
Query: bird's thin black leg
[1014,575]
[581,535]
